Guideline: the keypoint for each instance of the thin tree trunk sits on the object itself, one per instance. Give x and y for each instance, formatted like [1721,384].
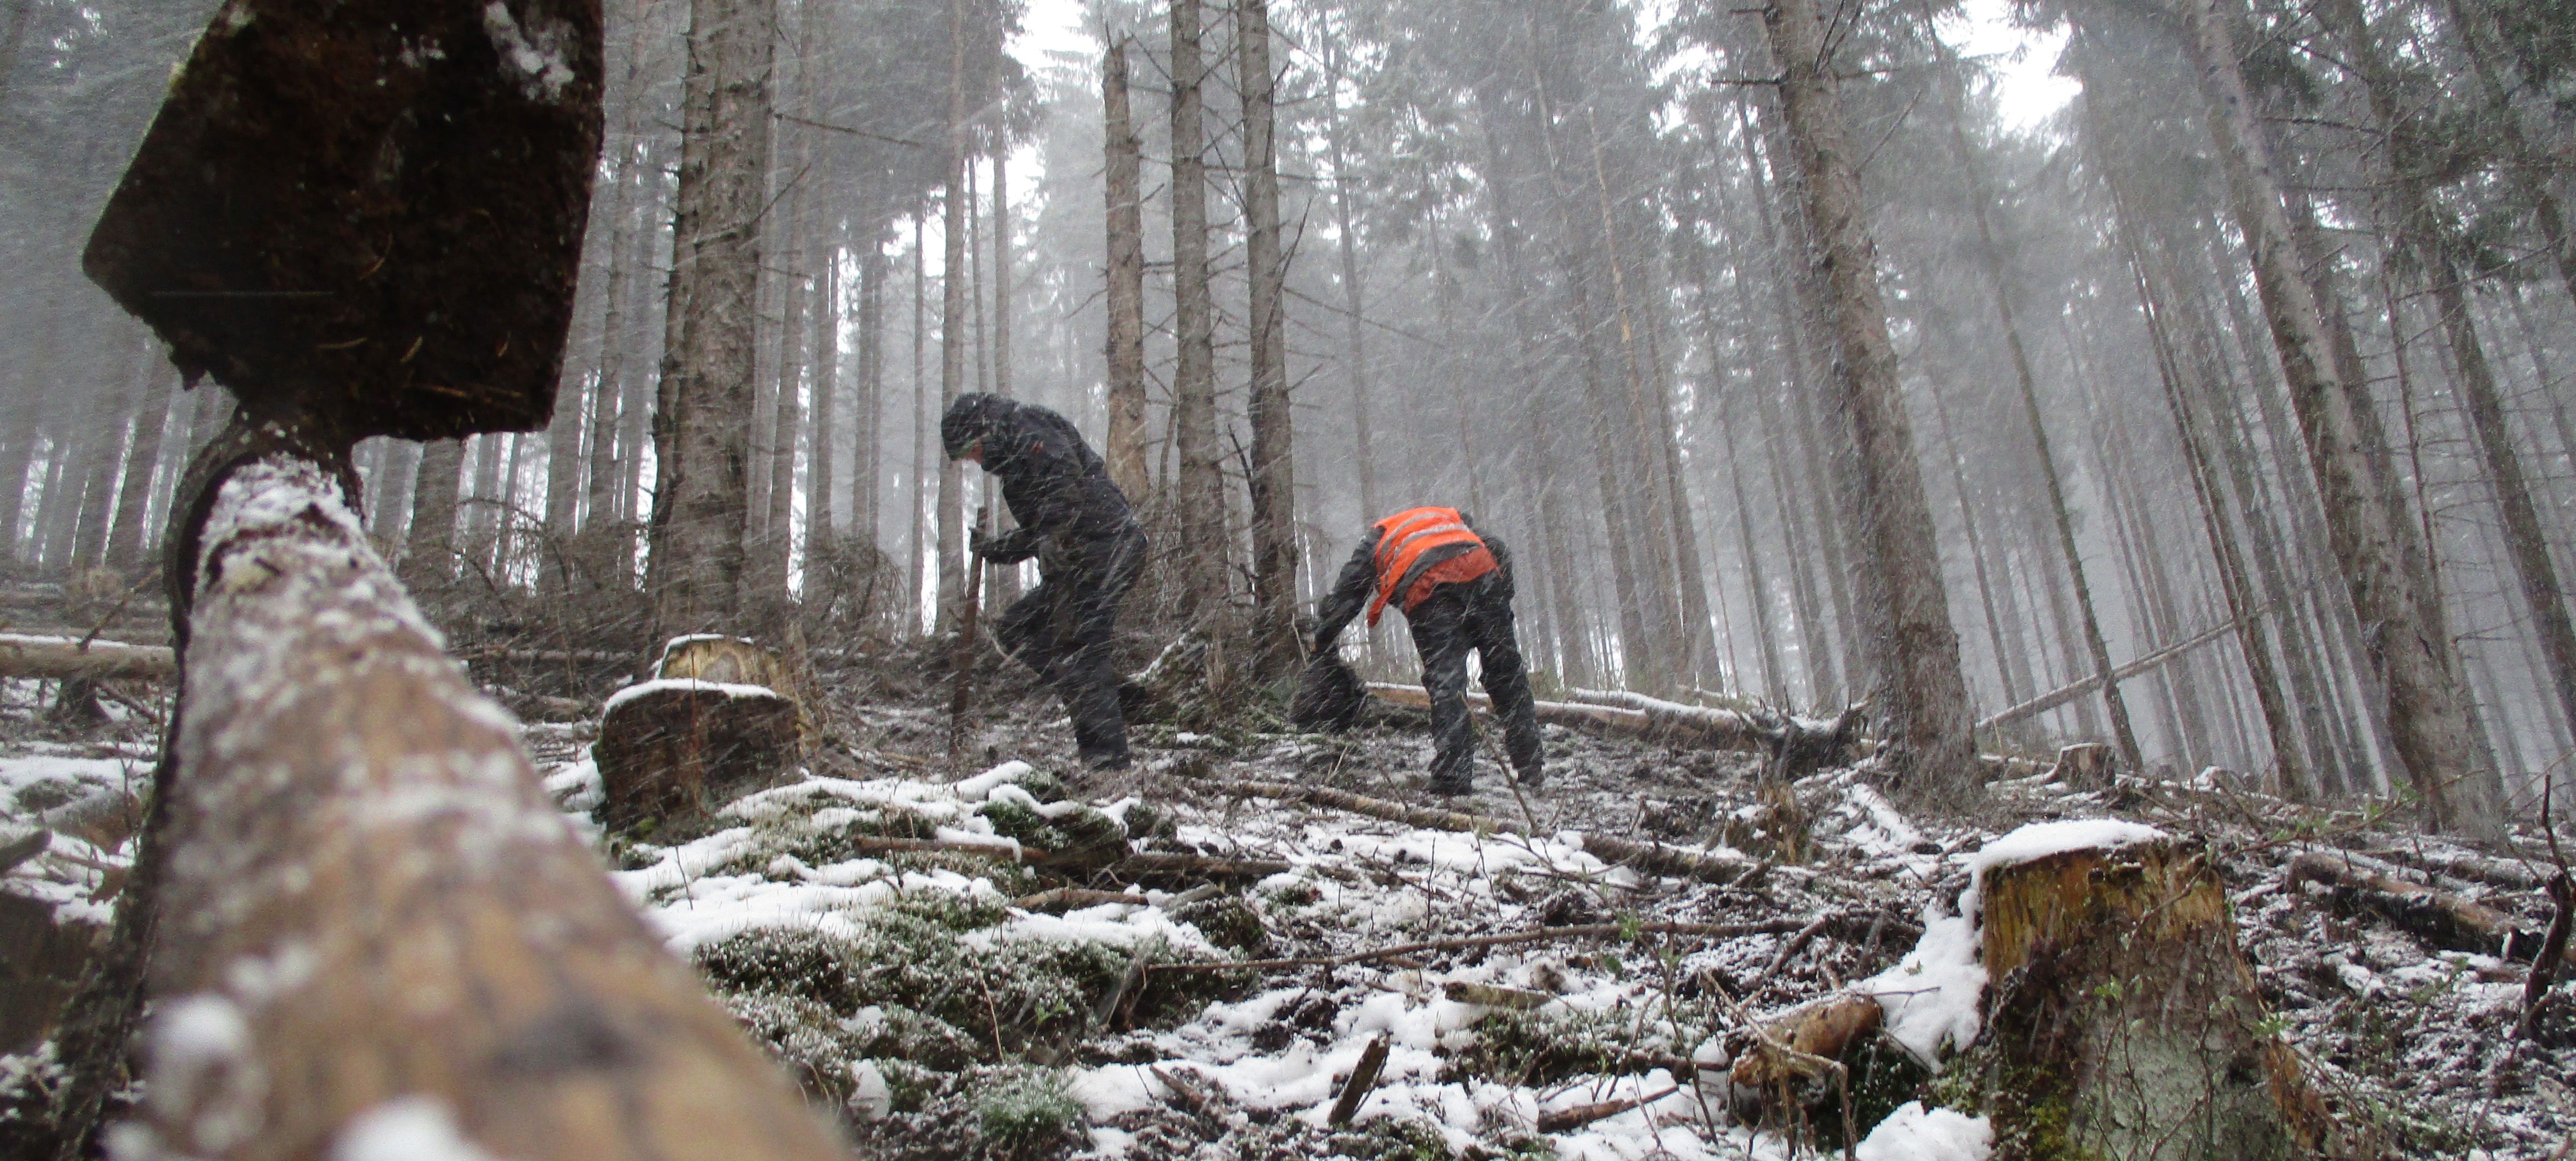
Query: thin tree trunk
[1355,348]
[1926,698]
[701,428]
[821,447]
[134,499]
[429,554]
[1200,502]
[1273,480]
[1999,284]
[2427,711]
[1126,443]
[955,228]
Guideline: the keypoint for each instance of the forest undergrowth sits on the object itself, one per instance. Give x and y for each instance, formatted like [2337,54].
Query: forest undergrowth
[940,1003]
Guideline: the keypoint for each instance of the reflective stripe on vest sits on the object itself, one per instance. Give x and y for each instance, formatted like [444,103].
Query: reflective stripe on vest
[1401,541]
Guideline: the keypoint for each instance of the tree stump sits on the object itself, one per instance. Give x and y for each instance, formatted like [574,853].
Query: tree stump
[2086,764]
[2123,1022]
[673,748]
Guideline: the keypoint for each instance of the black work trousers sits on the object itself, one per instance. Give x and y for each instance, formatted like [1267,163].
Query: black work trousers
[1064,629]
[1456,618]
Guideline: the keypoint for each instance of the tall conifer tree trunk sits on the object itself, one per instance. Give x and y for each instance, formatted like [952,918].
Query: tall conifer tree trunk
[1925,698]
[2423,233]
[1274,478]
[2427,703]
[429,556]
[701,430]
[1126,442]
[1200,496]
[952,328]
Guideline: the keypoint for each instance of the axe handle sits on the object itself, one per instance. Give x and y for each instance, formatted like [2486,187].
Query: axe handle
[372,915]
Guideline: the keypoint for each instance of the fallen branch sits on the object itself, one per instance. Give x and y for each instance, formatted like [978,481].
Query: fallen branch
[2444,919]
[1363,1078]
[1650,858]
[1568,1120]
[2546,966]
[65,659]
[1467,942]
[2066,694]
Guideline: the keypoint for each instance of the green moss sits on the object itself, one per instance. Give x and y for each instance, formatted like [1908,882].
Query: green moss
[1013,820]
[909,1086]
[1541,1047]
[1024,1110]
[1230,923]
[1394,1139]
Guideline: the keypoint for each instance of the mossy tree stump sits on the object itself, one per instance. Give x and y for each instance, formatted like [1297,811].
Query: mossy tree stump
[2122,1023]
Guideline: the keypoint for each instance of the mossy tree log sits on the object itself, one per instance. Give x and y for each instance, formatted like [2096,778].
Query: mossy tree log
[2124,1023]
[375,921]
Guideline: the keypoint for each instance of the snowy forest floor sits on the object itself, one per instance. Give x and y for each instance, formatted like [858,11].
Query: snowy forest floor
[939,1007]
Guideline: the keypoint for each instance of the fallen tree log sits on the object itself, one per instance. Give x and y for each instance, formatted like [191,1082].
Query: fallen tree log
[1682,725]
[68,659]
[376,923]
[1650,858]
[2121,1018]
[2439,917]
[1644,717]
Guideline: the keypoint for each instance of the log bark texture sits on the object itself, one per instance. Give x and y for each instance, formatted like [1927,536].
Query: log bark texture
[374,920]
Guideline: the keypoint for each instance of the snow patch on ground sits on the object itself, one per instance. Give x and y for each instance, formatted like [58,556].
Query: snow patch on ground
[1914,1133]
[415,1128]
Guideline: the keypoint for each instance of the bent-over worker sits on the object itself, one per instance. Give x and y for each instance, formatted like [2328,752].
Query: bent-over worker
[1088,546]
[1455,587]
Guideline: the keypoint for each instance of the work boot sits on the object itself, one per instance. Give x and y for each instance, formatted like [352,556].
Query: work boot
[1449,787]
[1532,776]
[1106,762]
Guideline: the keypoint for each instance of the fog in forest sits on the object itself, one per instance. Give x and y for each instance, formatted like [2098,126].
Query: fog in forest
[1933,356]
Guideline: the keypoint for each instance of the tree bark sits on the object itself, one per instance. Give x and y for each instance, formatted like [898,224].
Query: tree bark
[2123,1021]
[1200,498]
[1126,443]
[429,553]
[342,800]
[1354,333]
[131,534]
[701,428]
[2426,705]
[952,329]
[1273,482]
[1926,698]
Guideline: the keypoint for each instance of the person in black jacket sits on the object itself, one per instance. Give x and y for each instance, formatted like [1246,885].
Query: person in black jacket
[1088,546]
[1454,585]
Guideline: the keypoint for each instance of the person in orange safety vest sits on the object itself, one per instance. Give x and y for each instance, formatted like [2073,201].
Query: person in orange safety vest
[1454,586]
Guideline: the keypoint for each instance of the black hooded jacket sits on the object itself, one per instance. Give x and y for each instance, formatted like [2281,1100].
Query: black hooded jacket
[1057,487]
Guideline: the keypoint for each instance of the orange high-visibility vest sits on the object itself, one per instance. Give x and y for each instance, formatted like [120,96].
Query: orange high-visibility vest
[1403,539]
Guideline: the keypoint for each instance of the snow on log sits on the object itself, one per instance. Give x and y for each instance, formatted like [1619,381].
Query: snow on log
[69,659]
[677,747]
[1638,717]
[378,936]
[2122,1021]
[2438,917]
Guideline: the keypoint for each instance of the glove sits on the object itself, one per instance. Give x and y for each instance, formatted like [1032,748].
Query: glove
[977,542]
